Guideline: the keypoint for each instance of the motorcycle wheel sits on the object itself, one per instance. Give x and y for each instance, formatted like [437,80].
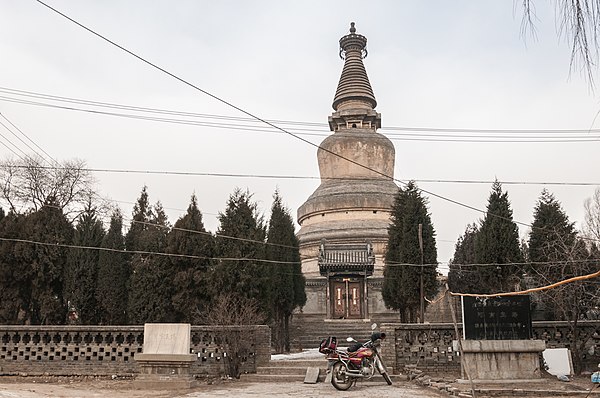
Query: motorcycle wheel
[387,378]
[339,378]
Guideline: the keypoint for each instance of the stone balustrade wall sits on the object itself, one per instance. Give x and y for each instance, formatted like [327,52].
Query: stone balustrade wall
[109,350]
[429,346]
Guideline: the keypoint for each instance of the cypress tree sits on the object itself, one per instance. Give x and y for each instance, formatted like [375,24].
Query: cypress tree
[43,266]
[142,212]
[551,232]
[246,278]
[497,244]
[113,275]
[82,268]
[15,291]
[191,276]
[151,289]
[463,279]
[286,282]
[403,270]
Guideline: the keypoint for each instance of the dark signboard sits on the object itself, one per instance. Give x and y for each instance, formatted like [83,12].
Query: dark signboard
[497,318]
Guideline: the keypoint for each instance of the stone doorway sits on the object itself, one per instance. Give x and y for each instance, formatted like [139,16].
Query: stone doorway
[347,298]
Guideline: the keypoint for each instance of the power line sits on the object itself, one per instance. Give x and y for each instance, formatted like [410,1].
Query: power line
[247,113]
[30,140]
[142,252]
[420,130]
[427,137]
[305,177]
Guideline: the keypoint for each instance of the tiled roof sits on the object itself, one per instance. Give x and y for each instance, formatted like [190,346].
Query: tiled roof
[346,258]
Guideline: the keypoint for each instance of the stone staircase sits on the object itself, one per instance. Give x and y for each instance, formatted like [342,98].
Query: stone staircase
[308,334]
[294,370]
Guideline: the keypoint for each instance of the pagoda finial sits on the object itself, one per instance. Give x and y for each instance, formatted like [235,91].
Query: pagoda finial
[354,83]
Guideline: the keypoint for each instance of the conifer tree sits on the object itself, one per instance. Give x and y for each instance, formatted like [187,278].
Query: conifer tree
[286,282]
[497,244]
[14,283]
[43,265]
[142,213]
[191,276]
[551,232]
[113,275]
[463,278]
[403,270]
[82,268]
[246,278]
[151,289]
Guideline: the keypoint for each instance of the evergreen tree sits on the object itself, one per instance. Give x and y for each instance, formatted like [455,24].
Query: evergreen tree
[462,279]
[551,232]
[142,213]
[497,244]
[43,265]
[82,268]
[552,243]
[286,281]
[190,282]
[151,286]
[14,282]
[246,278]
[113,275]
[403,270]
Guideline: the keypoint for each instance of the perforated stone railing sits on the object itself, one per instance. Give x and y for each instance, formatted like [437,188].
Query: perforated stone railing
[429,346]
[107,350]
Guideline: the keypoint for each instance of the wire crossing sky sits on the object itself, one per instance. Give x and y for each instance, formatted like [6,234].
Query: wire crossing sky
[466,76]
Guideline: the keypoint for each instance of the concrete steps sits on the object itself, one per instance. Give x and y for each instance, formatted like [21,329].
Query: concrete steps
[295,371]
[309,334]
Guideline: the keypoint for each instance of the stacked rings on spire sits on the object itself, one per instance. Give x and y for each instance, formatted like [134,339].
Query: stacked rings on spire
[354,83]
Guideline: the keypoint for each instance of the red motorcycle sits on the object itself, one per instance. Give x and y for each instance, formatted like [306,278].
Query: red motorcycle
[359,362]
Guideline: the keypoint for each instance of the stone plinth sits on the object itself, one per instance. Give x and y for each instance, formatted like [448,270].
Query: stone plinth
[502,360]
[166,360]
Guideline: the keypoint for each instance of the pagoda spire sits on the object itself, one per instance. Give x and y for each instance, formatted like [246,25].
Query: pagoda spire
[354,84]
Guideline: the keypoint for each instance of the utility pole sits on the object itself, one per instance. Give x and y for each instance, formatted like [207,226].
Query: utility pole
[421,274]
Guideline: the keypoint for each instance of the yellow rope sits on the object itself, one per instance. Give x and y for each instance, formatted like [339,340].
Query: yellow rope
[536,289]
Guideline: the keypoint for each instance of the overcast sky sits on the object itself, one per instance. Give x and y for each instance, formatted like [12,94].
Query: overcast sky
[435,64]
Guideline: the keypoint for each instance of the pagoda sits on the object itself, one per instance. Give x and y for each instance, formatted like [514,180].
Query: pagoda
[344,223]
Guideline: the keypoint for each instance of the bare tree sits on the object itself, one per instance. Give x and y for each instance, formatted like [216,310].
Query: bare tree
[230,312]
[579,23]
[28,183]
[571,302]
[591,223]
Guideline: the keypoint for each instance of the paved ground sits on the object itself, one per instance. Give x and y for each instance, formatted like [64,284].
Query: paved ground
[30,387]
[122,389]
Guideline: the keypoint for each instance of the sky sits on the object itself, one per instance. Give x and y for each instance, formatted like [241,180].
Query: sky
[434,66]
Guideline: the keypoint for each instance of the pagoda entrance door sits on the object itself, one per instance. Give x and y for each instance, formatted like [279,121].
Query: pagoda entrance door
[347,298]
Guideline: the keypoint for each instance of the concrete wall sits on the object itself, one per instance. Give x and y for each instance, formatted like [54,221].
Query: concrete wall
[108,350]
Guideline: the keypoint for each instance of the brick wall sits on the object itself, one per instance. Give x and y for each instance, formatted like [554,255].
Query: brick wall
[108,350]
[429,346]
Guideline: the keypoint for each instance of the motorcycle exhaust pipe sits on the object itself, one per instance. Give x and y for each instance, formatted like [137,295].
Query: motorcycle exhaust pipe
[354,373]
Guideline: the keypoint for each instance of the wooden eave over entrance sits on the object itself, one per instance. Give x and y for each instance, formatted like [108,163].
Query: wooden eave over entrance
[346,259]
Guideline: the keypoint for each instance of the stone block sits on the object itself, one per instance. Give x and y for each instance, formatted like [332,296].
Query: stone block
[167,338]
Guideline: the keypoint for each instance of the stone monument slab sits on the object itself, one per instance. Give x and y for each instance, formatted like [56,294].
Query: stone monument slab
[165,360]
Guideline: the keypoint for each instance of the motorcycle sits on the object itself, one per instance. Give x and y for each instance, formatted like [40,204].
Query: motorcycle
[359,362]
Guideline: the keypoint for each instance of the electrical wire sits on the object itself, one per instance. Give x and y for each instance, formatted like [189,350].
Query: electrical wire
[26,136]
[303,177]
[251,115]
[142,252]
[423,131]
[427,137]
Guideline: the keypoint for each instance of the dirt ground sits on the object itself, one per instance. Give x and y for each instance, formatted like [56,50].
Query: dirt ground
[75,387]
